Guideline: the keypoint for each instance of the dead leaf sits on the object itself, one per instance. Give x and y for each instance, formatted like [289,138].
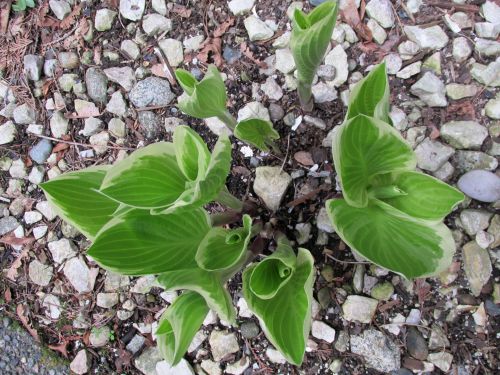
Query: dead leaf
[304,158]
[351,16]
[123,360]
[43,19]
[4,18]
[8,295]
[211,50]
[245,50]
[70,20]
[25,323]
[61,348]
[159,71]
[60,147]
[11,273]
[181,10]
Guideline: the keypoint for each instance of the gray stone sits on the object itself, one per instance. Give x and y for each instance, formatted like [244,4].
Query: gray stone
[114,281]
[68,81]
[408,49]
[46,209]
[97,85]
[468,160]
[431,90]
[194,43]
[60,8]
[17,169]
[8,224]
[271,184]
[441,360]
[381,11]
[303,233]
[116,104]
[62,249]
[432,37]
[322,331]
[135,344]
[416,345]
[378,33]
[8,132]
[99,142]
[99,336]
[36,175]
[323,222]
[257,29]
[327,72]
[494,230]
[24,114]
[378,350]
[132,9]
[143,284]
[58,124]
[253,110]
[172,48]
[33,65]
[488,75]
[438,339]
[431,155]
[171,123]
[182,368]
[359,308]
[130,48]
[284,61]
[52,306]
[104,19]
[393,63]
[68,60]
[124,76]
[276,112]
[216,126]
[323,93]
[39,273]
[150,124]
[457,91]
[147,361]
[487,47]
[159,6]
[151,91]
[487,30]
[117,128]
[107,300]
[155,24]
[271,89]
[81,362]
[492,109]
[223,343]
[474,221]
[92,126]
[398,118]
[249,330]
[49,67]
[337,57]
[410,70]
[464,134]
[382,291]
[275,356]
[481,185]
[79,275]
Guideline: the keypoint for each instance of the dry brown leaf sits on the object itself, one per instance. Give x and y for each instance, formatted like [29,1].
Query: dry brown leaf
[4,18]
[181,10]
[7,295]
[69,21]
[61,348]
[223,27]
[25,323]
[351,16]
[245,50]
[60,147]
[43,19]
[211,50]
[157,70]
[304,158]
[11,273]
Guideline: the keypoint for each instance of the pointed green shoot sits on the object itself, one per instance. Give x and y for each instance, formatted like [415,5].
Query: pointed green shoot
[309,41]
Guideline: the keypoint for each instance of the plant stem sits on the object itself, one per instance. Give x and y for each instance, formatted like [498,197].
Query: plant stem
[229,200]
[305,95]
[228,119]
[223,218]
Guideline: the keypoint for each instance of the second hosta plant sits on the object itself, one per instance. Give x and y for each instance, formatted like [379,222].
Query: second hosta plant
[145,215]
[390,214]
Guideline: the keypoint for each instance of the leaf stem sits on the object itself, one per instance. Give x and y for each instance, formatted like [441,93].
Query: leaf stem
[305,95]
[228,119]
[229,200]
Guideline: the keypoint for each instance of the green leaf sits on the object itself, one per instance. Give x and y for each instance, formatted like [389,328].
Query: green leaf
[364,147]
[178,325]
[222,248]
[75,197]
[208,187]
[257,132]
[191,152]
[425,197]
[286,317]
[148,178]
[310,39]
[208,284]
[370,96]
[393,240]
[272,273]
[203,99]
[138,243]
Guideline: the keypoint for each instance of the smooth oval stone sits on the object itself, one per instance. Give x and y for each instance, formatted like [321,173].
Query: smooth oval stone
[481,185]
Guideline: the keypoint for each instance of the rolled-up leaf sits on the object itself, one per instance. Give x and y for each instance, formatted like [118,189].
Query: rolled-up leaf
[309,41]
[178,325]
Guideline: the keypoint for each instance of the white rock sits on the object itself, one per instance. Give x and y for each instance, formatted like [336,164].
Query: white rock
[243,309]
[60,8]
[58,124]
[481,185]
[338,59]
[238,367]
[155,24]
[216,126]
[116,104]
[432,37]
[159,6]
[46,209]
[32,217]
[198,339]
[99,142]
[132,9]
[193,43]
[431,155]
[254,110]
[378,32]
[275,356]
[410,70]
[91,126]
[239,7]
[143,284]
[442,360]
[257,29]
[80,364]
[452,25]
[381,11]
[107,300]
[223,343]
[104,19]
[323,93]
[117,128]
[124,76]
[79,275]
[40,231]
[40,274]
[8,132]
[270,185]
[182,368]
[62,249]
[359,308]
[24,114]
[487,30]
[172,49]
[491,12]
[36,175]
[431,90]
[487,75]
[323,331]
[52,305]
[130,48]
[492,108]
[487,47]
[408,49]
[284,61]
[461,49]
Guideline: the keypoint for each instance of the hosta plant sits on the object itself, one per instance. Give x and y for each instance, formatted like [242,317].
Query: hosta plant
[311,34]
[146,215]
[207,98]
[390,214]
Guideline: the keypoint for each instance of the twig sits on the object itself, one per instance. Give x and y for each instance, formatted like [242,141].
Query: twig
[152,107]
[81,144]
[286,154]
[462,7]
[60,39]
[306,197]
[167,68]
[344,261]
